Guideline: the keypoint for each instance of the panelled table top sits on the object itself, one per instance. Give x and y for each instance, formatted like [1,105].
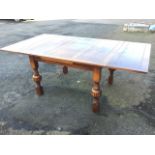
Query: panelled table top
[122,55]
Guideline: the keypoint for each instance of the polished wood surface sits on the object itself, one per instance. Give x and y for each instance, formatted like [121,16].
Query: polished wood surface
[36,75]
[84,53]
[111,76]
[123,55]
[96,91]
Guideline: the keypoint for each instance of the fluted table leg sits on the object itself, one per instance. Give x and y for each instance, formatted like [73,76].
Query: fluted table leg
[96,91]
[36,76]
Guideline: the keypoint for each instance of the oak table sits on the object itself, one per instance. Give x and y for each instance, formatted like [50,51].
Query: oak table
[84,53]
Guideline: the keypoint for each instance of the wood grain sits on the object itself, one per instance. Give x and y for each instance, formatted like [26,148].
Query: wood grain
[123,55]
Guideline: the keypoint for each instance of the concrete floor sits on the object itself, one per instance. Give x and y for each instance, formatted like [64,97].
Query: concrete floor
[127,107]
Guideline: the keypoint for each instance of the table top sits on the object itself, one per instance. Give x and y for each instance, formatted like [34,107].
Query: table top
[123,55]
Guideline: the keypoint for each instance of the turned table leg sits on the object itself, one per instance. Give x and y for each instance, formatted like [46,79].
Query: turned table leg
[96,92]
[111,75]
[65,69]
[36,76]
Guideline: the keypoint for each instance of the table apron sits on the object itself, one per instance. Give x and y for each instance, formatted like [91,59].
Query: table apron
[66,63]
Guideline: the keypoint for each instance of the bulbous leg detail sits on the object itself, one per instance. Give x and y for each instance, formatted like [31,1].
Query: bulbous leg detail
[36,76]
[111,75]
[65,69]
[96,91]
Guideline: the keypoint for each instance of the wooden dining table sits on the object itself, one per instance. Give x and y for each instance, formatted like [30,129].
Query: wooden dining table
[84,53]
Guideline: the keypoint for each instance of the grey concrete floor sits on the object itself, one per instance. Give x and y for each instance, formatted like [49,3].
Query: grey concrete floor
[127,107]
